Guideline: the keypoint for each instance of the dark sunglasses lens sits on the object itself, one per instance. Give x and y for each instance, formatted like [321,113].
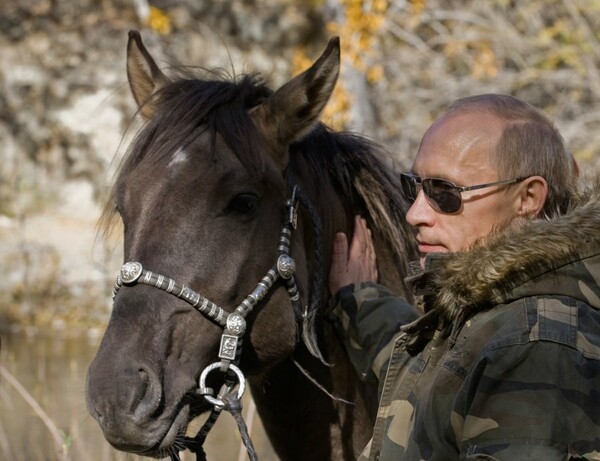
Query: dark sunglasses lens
[409,187]
[442,195]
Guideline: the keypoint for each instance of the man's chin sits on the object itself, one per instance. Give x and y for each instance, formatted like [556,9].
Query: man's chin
[425,256]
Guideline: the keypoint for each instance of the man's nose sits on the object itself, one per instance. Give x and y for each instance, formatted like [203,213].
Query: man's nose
[421,212]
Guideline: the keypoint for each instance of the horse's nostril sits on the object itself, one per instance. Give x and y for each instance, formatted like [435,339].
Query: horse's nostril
[144,385]
[95,412]
[148,396]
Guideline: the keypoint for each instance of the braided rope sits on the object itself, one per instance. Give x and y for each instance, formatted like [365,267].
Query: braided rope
[309,335]
[318,280]
[196,444]
[234,406]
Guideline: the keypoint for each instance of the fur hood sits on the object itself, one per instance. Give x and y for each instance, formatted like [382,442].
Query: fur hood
[513,263]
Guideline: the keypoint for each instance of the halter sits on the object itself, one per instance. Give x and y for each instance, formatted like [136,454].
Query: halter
[233,324]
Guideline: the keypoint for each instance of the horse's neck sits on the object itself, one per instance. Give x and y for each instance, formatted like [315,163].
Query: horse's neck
[391,274]
[302,421]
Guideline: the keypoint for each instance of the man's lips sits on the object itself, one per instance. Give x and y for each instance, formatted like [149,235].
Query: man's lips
[426,247]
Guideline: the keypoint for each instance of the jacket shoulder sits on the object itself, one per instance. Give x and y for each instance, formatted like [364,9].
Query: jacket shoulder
[557,319]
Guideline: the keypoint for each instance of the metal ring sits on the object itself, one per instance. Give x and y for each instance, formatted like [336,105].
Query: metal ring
[205,390]
[202,383]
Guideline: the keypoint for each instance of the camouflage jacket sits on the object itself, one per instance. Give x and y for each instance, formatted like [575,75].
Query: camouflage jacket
[504,362]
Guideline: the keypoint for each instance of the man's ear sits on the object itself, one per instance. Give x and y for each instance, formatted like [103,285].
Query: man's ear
[533,193]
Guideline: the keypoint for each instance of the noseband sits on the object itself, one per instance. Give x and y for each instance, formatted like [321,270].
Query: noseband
[233,324]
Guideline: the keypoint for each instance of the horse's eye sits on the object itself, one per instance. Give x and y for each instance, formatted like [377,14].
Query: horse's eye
[244,203]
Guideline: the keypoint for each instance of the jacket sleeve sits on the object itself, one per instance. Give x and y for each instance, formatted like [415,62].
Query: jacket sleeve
[368,317]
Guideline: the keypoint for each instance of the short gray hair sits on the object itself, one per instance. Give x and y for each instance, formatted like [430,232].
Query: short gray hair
[530,145]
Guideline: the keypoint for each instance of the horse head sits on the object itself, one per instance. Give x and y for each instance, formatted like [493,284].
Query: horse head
[226,182]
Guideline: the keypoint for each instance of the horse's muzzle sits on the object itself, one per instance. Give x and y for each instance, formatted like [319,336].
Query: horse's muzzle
[128,401]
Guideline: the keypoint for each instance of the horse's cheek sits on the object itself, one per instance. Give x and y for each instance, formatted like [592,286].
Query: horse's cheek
[273,335]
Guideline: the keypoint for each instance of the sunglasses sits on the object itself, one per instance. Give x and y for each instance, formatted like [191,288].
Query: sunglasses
[443,195]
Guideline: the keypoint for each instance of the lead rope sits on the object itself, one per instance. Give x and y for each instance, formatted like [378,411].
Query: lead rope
[234,325]
[233,405]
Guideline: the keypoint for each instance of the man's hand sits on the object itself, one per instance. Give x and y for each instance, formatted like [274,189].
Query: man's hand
[355,264]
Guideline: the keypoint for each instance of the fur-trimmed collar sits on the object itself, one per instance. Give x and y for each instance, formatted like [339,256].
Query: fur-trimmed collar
[462,284]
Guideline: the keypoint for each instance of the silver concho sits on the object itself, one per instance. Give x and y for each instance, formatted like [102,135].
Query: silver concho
[286,266]
[130,272]
[236,324]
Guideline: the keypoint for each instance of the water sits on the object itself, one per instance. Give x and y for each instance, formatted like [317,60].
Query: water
[53,372]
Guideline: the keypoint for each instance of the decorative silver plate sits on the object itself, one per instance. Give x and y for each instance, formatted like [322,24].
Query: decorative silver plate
[131,271]
[236,324]
[286,266]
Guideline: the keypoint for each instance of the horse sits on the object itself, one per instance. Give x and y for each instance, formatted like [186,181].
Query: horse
[225,178]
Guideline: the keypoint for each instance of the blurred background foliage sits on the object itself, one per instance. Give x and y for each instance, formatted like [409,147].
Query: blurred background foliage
[66,113]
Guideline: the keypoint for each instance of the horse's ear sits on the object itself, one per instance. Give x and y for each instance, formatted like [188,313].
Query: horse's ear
[145,78]
[293,109]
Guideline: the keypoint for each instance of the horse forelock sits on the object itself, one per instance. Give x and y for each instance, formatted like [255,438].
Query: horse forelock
[187,108]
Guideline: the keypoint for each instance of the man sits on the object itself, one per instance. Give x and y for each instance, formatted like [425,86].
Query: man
[502,360]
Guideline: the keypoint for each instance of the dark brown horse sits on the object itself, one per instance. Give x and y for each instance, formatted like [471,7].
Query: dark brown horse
[202,194]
